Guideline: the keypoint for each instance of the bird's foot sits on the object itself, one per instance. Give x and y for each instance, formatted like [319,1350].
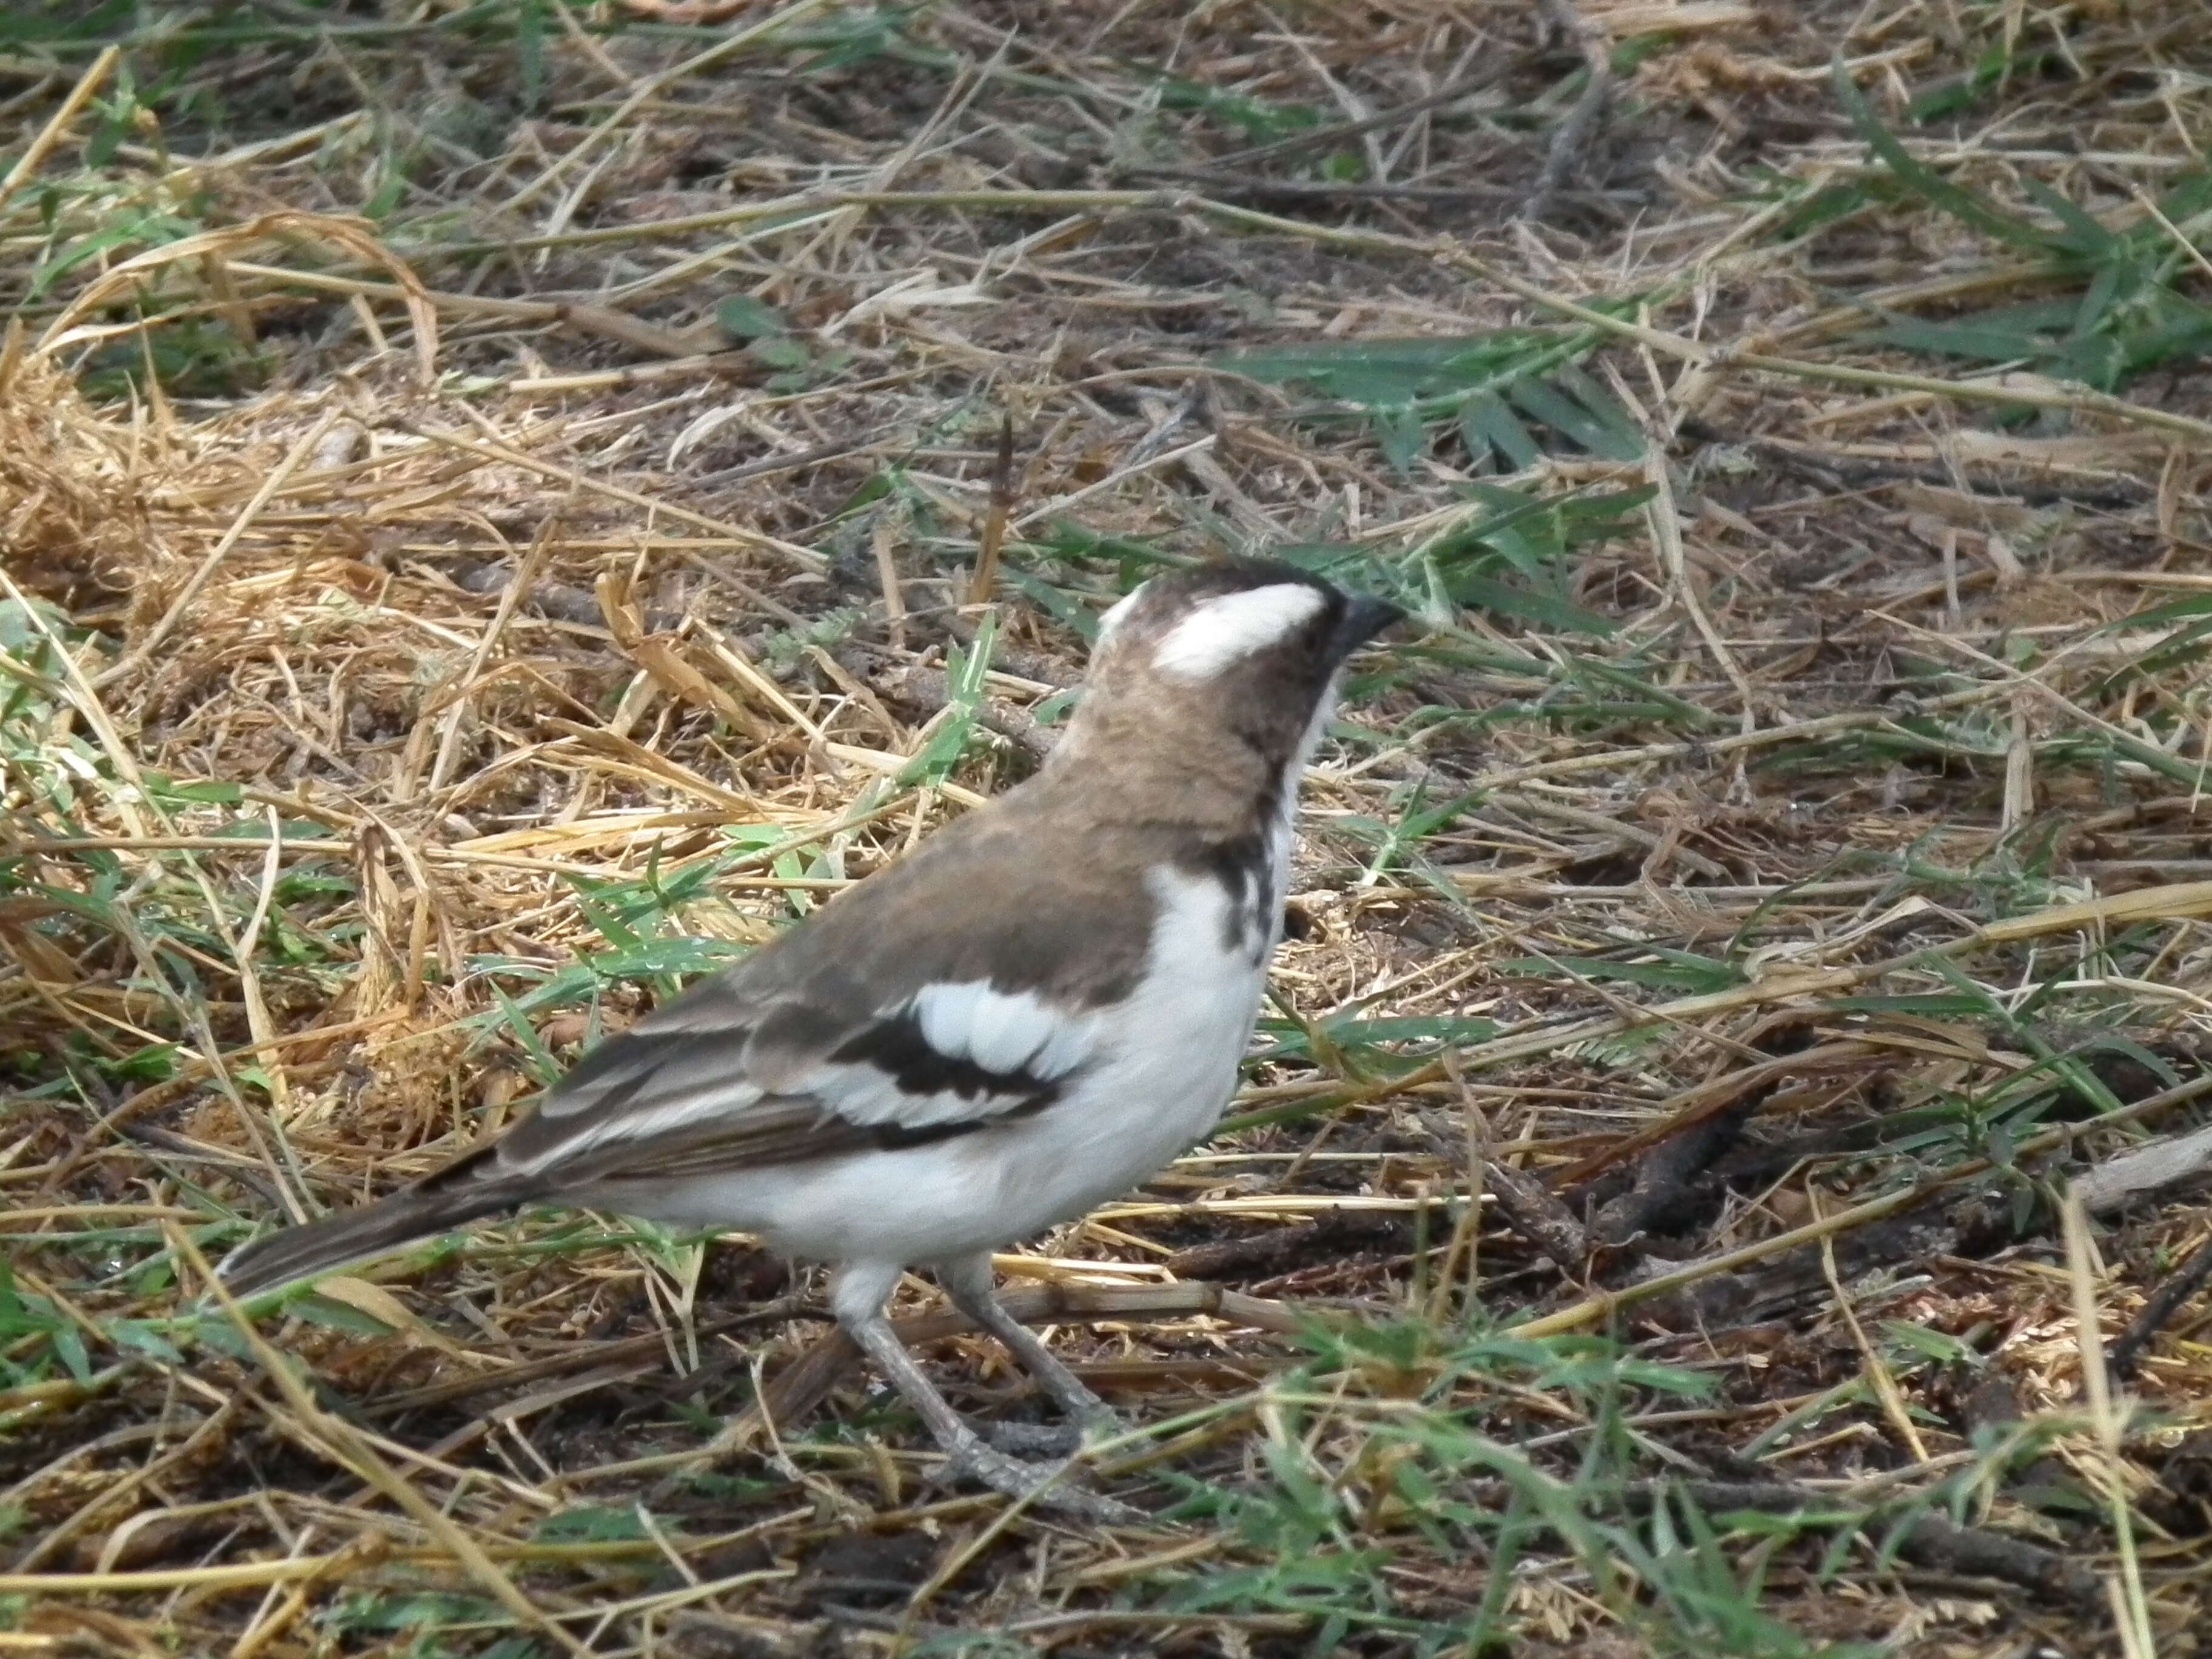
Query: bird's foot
[1048,1485]
[1032,1439]
[1050,1439]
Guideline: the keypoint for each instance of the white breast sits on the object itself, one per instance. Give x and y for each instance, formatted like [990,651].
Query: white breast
[1176,1046]
[1163,1065]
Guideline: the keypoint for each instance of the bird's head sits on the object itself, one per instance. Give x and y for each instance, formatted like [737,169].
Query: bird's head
[1245,650]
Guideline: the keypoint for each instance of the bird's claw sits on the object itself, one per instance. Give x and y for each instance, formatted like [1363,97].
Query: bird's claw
[1032,1439]
[1046,1485]
[1052,1440]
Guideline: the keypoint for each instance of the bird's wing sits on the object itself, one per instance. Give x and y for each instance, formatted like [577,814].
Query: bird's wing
[964,986]
[726,1078]
[723,1079]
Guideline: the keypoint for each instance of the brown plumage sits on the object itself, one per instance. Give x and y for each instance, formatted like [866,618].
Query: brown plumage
[1043,1003]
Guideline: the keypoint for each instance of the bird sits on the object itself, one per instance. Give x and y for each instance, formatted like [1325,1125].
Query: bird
[1033,1011]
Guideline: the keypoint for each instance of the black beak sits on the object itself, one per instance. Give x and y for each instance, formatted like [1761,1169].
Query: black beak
[1364,618]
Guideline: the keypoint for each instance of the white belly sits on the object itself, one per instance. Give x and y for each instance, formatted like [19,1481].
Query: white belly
[1169,1067]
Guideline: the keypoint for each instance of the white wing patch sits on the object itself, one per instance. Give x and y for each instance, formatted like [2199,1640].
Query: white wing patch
[1001,1031]
[1231,627]
[672,1112]
[860,1093]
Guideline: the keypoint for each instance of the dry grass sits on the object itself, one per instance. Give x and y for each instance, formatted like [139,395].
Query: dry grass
[490,495]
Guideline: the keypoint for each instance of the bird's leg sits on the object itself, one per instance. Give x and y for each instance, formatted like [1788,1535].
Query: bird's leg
[966,1280]
[858,1299]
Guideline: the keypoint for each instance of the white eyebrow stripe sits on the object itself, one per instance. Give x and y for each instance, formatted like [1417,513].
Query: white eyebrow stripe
[1112,617]
[1231,627]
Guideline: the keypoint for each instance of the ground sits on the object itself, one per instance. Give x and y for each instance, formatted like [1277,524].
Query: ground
[492,498]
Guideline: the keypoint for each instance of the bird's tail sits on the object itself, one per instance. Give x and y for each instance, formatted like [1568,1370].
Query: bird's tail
[450,1199]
